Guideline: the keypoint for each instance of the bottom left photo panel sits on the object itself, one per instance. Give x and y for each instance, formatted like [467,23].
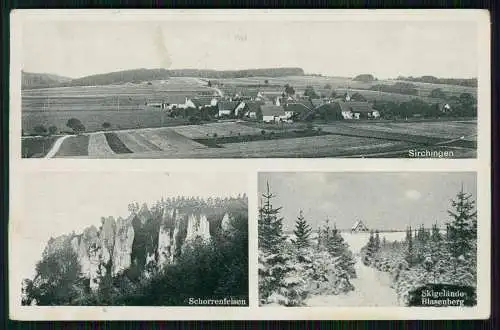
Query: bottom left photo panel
[130,238]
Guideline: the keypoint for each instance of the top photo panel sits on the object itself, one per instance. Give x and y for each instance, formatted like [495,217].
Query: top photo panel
[251,84]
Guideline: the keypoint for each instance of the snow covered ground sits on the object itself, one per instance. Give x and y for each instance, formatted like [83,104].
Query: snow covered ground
[372,287]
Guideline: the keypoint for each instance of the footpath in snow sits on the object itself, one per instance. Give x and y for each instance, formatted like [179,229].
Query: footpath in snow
[372,288]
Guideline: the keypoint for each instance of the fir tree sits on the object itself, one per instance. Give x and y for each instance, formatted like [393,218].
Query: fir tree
[377,241]
[343,259]
[271,235]
[410,253]
[435,234]
[371,247]
[462,229]
[275,262]
[302,232]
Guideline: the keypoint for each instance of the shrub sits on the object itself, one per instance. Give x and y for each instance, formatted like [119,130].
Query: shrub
[194,120]
[40,130]
[53,130]
[76,125]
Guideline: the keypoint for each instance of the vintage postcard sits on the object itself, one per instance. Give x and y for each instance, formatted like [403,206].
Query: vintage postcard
[263,84]
[256,164]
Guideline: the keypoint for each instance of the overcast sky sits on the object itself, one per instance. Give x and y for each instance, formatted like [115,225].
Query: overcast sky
[386,49]
[56,203]
[381,200]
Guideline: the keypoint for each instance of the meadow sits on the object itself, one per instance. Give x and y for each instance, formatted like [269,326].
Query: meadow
[93,120]
[123,106]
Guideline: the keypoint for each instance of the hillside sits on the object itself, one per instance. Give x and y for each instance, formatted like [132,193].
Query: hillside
[31,80]
[140,75]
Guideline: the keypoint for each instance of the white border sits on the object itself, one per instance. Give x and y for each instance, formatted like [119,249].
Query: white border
[250,167]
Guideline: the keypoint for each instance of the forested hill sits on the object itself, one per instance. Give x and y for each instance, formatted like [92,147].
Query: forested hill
[31,80]
[140,75]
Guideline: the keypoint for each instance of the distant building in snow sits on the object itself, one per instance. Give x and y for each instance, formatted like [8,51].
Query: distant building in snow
[359,226]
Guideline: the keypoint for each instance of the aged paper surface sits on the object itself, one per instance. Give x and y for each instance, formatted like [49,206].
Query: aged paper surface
[263,164]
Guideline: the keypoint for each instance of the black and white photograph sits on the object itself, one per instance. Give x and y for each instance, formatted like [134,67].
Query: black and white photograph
[251,85]
[132,239]
[249,164]
[373,239]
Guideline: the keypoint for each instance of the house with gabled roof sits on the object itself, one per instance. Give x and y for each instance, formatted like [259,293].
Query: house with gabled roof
[273,113]
[252,94]
[204,101]
[357,110]
[359,226]
[178,102]
[226,108]
[445,107]
[298,108]
[253,109]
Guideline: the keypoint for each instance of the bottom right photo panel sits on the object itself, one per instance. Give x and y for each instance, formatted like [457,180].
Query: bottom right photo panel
[367,239]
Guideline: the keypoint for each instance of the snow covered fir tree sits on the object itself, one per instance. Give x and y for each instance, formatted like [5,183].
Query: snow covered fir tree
[164,254]
[293,269]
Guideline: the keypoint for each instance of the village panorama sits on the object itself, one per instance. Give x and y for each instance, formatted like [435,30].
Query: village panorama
[255,113]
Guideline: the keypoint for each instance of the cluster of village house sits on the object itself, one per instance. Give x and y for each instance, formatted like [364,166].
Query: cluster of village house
[269,107]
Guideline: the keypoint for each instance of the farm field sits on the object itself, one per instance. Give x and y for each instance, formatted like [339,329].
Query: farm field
[221,129]
[444,130]
[318,146]
[98,146]
[83,98]
[173,85]
[93,120]
[74,146]
[123,106]
[342,139]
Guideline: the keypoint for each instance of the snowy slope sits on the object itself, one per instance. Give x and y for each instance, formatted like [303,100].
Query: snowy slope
[372,288]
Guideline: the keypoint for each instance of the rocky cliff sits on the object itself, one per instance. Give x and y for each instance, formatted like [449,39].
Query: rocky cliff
[148,240]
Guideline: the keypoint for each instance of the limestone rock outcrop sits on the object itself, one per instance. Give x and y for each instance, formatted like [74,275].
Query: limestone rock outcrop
[198,226]
[122,249]
[161,234]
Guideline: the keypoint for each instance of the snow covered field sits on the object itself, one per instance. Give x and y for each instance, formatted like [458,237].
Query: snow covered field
[372,288]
